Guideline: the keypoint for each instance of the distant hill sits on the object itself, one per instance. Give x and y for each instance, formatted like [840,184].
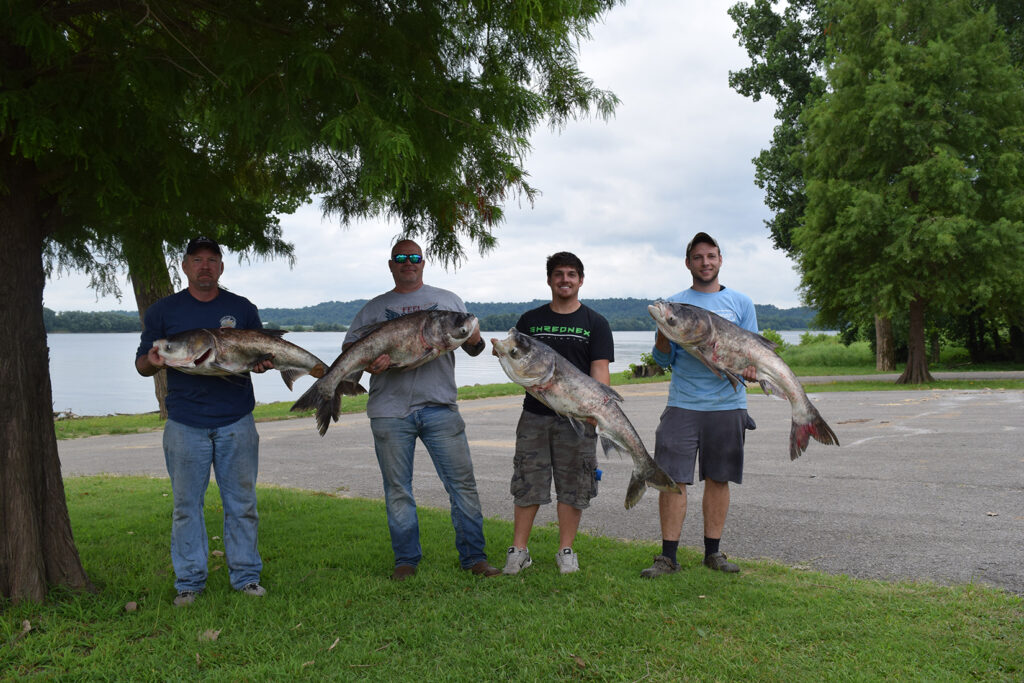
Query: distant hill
[622,314]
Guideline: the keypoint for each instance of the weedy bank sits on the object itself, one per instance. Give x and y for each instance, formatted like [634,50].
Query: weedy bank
[332,613]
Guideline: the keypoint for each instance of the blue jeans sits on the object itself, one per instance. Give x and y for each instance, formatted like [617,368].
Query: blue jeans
[443,432]
[233,451]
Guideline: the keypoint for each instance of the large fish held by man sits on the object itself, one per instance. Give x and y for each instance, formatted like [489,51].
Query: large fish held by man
[727,349]
[227,351]
[561,386]
[410,341]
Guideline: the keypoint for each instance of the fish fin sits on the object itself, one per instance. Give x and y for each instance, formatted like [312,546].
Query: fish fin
[273,333]
[289,375]
[696,353]
[351,388]
[764,341]
[768,388]
[610,447]
[577,426]
[415,363]
[635,491]
[800,435]
[611,393]
[735,379]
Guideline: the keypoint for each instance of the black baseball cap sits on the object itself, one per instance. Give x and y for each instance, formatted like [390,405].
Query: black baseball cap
[202,242]
[701,238]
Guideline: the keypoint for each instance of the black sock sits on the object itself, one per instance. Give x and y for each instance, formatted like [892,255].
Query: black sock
[711,546]
[669,548]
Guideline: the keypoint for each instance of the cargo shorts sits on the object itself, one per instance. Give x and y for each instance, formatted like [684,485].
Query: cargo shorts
[548,447]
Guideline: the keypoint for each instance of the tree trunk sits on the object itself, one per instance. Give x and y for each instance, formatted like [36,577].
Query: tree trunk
[147,267]
[37,549]
[916,371]
[933,347]
[1017,343]
[885,351]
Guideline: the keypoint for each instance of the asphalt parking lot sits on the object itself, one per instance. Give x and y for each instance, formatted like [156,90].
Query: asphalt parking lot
[927,485]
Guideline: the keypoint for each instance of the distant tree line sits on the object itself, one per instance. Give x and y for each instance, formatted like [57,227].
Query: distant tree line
[622,314]
[101,321]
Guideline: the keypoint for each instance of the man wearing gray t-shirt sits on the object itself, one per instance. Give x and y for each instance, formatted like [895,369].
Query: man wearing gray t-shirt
[420,403]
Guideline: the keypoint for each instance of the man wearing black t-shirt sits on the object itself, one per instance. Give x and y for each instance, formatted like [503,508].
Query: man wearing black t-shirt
[547,445]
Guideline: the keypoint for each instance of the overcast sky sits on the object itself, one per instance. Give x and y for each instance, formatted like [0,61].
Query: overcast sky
[625,195]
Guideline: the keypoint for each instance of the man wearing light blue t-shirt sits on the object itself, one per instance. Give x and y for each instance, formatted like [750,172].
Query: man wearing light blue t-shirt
[705,419]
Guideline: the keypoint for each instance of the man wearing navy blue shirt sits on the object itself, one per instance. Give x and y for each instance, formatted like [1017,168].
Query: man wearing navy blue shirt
[209,423]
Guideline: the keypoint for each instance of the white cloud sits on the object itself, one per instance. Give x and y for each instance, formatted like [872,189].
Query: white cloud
[625,194]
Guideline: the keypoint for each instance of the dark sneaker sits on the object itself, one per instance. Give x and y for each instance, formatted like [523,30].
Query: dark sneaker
[484,568]
[718,562]
[254,589]
[662,565]
[403,572]
[185,598]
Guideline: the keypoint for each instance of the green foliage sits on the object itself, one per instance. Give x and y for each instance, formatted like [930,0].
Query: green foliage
[774,337]
[913,163]
[81,321]
[332,614]
[786,50]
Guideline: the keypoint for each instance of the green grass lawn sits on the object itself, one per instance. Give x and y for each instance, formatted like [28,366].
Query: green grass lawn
[332,613]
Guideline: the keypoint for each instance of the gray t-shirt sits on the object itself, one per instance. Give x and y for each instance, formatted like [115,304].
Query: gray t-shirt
[398,393]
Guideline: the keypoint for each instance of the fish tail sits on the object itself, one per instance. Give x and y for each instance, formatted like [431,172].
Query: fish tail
[315,399]
[660,480]
[635,491]
[655,477]
[800,434]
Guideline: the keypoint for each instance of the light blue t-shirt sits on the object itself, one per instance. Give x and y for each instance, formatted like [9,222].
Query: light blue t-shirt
[693,386]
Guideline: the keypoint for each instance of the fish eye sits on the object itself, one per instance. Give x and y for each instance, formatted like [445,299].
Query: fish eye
[513,352]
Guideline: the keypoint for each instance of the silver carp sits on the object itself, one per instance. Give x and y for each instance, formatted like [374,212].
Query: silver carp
[727,349]
[411,341]
[561,386]
[227,351]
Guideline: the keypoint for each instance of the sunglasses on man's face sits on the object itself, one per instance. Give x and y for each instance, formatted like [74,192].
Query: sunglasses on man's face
[402,258]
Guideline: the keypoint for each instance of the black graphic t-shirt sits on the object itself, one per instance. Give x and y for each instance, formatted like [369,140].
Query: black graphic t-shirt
[581,337]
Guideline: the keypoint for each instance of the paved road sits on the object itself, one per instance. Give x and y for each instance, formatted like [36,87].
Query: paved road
[927,485]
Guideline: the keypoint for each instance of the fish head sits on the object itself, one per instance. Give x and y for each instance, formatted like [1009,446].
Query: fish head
[682,323]
[525,360]
[186,349]
[450,329]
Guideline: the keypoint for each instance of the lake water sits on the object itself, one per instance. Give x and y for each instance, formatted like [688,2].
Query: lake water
[94,374]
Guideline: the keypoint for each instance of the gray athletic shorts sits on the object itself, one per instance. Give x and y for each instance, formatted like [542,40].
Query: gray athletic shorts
[715,436]
[547,447]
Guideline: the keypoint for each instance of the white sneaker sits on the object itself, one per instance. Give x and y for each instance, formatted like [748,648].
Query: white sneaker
[517,560]
[568,561]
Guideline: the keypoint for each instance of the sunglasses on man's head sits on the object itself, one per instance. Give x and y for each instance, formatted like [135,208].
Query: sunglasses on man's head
[402,258]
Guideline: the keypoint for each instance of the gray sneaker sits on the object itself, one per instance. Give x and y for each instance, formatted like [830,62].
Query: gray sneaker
[517,560]
[718,562]
[568,561]
[253,589]
[185,598]
[662,565]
